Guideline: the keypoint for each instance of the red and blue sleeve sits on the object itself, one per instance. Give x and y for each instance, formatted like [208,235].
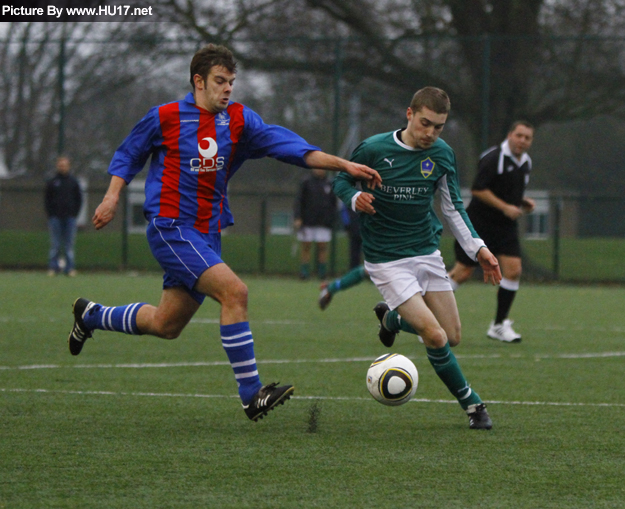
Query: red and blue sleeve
[265,140]
[131,156]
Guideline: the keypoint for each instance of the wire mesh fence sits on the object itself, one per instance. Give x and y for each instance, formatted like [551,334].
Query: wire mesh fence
[568,238]
[80,93]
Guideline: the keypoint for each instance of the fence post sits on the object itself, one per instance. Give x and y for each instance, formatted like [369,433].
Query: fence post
[338,76]
[486,50]
[61,141]
[556,237]
[125,226]
[262,250]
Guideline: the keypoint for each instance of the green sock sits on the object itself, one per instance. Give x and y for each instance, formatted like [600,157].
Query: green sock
[446,366]
[352,278]
[304,270]
[394,322]
[321,270]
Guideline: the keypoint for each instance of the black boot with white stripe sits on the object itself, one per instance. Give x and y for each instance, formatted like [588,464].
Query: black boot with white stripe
[80,332]
[478,417]
[268,397]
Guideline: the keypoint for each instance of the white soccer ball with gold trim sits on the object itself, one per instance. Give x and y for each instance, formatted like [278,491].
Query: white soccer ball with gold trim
[392,379]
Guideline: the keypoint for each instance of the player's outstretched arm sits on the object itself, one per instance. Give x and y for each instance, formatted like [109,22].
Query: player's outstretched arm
[318,159]
[105,212]
[490,266]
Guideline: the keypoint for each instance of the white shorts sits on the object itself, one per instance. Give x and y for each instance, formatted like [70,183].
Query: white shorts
[401,279]
[314,234]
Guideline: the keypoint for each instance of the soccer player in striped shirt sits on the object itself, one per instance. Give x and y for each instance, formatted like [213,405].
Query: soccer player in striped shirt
[196,145]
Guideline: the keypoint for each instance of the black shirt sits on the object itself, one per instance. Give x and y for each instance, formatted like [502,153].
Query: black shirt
[316,204]
[506,177]
[63,196]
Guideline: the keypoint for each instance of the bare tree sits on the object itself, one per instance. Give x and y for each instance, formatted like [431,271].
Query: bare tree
[97,79]
[544,60]
[27,87]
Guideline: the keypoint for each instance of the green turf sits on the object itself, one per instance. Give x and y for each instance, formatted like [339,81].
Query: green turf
[105,430]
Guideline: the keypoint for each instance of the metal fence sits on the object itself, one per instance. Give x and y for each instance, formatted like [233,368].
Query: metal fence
[568,238]
[576,233]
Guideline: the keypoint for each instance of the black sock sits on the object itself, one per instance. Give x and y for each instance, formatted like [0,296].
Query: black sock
[504,303]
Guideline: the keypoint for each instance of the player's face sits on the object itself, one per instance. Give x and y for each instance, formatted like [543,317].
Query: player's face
[520,140]
[214,93]
[424,127]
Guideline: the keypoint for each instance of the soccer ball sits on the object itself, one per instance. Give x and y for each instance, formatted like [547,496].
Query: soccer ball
[392,379]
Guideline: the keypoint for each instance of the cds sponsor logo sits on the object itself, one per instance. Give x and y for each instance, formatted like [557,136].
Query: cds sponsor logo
[207,149]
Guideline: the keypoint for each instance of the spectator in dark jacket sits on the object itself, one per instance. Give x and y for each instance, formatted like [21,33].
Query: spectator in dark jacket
[63,202]
[315,213]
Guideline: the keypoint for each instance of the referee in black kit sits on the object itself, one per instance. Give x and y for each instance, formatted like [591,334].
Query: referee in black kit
[498,201]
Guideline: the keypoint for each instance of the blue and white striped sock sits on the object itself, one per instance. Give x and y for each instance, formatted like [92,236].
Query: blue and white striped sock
[238,343]
[119,318]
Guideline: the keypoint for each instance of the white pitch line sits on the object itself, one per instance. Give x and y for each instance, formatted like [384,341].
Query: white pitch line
[7,319]
[577,328]
[325,398]
[123,393]
[593,355]
[586,355]
[178,364]
[263,322]
[547,328]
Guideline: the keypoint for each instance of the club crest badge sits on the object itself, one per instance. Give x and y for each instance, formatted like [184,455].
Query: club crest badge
[427,167]
[222,118]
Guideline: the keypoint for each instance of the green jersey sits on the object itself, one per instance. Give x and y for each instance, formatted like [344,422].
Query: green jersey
[405,224]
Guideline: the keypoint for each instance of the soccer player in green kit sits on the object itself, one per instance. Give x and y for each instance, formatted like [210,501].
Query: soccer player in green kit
[401,236]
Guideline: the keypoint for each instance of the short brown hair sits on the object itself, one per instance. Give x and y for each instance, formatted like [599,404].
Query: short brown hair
[208,57]
[520,122]
[432,98]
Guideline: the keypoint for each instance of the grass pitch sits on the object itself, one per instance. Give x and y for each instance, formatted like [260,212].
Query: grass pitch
[141,422]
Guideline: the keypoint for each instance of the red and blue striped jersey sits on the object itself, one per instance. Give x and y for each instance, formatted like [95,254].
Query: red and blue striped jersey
[194,155]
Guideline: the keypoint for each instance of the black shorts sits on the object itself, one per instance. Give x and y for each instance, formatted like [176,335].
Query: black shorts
[499,240]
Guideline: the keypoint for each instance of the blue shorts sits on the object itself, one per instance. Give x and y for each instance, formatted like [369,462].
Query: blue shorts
[183,252]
